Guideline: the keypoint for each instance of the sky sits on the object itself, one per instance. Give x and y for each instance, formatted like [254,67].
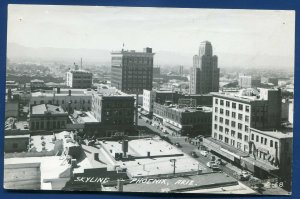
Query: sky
[258,37]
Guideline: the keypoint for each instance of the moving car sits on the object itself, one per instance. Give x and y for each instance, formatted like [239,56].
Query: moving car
[178,145]
[194,154]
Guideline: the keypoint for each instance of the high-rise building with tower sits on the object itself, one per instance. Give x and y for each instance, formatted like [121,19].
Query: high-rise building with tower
[132,71]
[205,72]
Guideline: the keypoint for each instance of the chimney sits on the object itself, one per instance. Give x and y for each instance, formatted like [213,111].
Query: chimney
[148,153]
[70,92]
[125,147]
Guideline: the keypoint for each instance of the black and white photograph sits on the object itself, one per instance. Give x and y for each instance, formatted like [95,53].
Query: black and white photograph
[149,99]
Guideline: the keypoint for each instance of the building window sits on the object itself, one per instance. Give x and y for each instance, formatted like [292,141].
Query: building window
[241,107]
[221,128]
[239,136]
[227,104]
[246,128]
[221,111]
[247,109]
[216,126]
[240,116]
[257,138]
[232,123]
[261,140]
[216,101]
[252,137]
[276,145]
[246,118]
[266,141]
[233,105]
[246,138]
[215,135]
[221,120]
[227,113]
[226,131]
[240,126]
[222,102]
[271,143]
[216,118]
[220,137]
[232,142]
[227,121]
[216,109]
[233,114]
[226,140]
[232,133]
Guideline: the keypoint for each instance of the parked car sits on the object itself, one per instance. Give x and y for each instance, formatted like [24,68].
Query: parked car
[204,153]
[212,164]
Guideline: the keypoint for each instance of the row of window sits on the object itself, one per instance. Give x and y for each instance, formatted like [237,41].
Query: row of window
[41,125]
[62,102]
[233,105]
[229,141]
[233,115]
[233,125]
[232,132]
[264,141]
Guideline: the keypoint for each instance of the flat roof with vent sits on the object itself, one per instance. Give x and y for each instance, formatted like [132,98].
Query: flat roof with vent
[46,108]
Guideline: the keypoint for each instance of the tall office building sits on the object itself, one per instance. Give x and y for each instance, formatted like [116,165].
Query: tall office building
[205,72]
[132,71]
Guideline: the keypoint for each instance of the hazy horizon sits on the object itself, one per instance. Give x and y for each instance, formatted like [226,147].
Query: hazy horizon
[239,37]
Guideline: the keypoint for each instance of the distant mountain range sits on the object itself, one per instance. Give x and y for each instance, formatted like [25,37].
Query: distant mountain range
[19,53]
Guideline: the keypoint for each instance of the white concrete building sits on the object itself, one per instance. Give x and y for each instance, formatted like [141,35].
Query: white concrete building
[148,98]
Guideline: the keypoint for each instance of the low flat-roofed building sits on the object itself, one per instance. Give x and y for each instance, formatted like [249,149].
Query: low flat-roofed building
[68,99]
[16,143]
[148,157]
[47,117]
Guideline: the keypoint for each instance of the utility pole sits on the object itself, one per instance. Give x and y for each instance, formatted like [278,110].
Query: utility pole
[174,165]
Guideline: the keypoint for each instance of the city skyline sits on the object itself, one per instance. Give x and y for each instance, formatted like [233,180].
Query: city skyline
[240,37]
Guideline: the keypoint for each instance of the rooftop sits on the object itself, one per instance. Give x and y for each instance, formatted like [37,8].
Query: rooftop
[80,71]
[63,92]
[275,134]
[157,163]
[81,117]
[246,95]
[105,90]
[47,108]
